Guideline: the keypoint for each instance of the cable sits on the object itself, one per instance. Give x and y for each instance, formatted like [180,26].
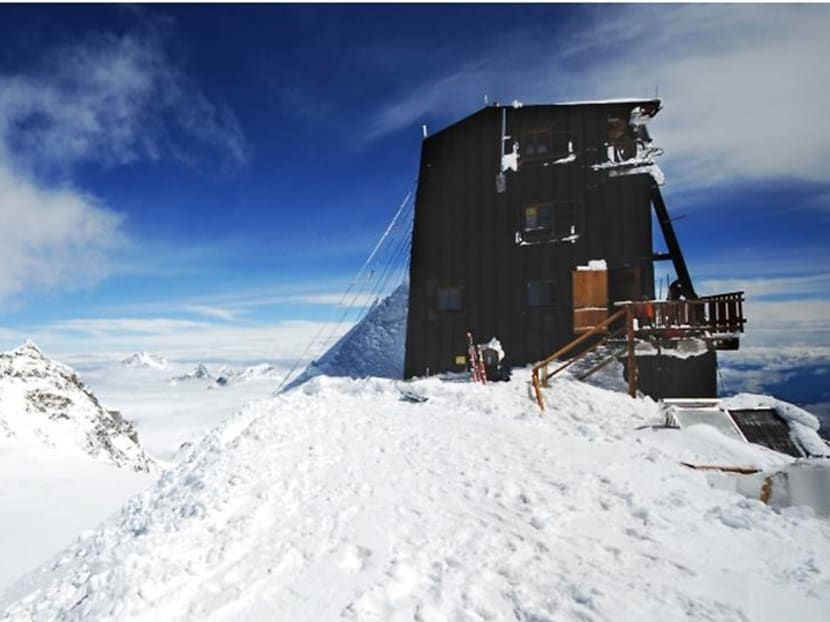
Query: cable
[405,206]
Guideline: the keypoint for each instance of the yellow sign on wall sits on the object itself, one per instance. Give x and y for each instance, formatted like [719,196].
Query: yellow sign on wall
[460,359]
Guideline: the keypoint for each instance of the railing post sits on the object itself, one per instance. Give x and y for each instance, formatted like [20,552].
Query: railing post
[535,381]
[632,362]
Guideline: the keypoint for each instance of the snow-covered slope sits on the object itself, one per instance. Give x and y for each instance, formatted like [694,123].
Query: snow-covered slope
[373,347]
[45,403]
[248,374]
[200,372]
[339,500]
[144,359]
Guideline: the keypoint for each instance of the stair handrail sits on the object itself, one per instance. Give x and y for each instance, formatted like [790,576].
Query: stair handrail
[543,365]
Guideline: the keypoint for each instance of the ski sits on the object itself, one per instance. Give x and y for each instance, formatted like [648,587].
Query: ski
[473,359]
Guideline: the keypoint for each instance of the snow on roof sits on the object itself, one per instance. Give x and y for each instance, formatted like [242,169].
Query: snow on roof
[622,100]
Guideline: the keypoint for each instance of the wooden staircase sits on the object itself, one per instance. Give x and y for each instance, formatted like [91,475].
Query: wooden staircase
[718,320]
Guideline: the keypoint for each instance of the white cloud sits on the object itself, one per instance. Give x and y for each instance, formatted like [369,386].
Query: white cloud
[354,300]
[101,327]
[801,323]
[762,286]
[106,100]
[110,100]
[51,238]
[214,312]
[115,338]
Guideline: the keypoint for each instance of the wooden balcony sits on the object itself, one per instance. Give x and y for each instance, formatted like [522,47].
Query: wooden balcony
[718,319]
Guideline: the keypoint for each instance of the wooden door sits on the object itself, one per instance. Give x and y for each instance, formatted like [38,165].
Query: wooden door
[590,298]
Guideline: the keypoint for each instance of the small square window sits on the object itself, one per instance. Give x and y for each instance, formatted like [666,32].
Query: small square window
[552,142]
[449,299]
[541,293]
[538,217]
[552,221]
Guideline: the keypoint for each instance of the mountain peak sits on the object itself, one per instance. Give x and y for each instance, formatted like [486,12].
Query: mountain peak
[145,359]
[43,402]
[30,348]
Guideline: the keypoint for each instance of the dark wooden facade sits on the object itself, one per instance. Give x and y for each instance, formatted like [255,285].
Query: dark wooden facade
[500,264]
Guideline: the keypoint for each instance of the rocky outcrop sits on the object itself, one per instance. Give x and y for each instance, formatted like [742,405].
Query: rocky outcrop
[45,403]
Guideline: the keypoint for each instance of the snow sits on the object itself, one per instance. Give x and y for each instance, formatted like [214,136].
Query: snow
[684,348]
[200,372]
[495,345]
[45,404]
[144,359]
[623,100]
[337,499]
[803,426]
[594,265]
[47,498]
[167,414]
[373,347]
[510,161]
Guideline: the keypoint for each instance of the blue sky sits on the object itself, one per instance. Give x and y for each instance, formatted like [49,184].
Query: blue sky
[208,179]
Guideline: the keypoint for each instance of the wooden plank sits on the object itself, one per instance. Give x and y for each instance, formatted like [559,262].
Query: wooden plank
[586,319]
[590,288]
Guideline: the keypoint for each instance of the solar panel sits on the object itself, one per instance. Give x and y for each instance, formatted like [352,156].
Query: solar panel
[765,427]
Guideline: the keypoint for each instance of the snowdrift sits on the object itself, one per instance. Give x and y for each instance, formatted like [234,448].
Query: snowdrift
[373,347]
[44,403]
[337,499]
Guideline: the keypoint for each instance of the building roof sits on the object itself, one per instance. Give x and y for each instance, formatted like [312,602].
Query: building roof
[654,102]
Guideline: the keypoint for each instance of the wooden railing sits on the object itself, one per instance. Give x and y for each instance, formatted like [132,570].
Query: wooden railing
[718,314]
[709,317]
[540,374]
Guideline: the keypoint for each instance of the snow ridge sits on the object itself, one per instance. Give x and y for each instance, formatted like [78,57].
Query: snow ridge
[45,403]
[373,347]
[338,499]
[200,372]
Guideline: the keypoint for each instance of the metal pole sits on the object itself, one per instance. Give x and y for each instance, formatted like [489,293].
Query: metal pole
[632,362]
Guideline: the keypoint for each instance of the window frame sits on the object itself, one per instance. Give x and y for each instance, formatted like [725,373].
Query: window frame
[541,302]
[549,227]
[557,135]
[455,293]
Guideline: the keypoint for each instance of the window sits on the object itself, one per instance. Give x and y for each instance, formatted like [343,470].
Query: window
[552,221]
[620,139]
[449,299]
[537,143]
[538,217]
[541,293]
[552,142]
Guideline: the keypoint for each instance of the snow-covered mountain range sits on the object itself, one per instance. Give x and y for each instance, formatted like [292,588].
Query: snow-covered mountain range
[45,403]
[200,372]
[144,359]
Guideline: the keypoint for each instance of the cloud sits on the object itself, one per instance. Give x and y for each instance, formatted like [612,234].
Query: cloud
[111,100]
[759,287]
[214,312]
[744,93]
[789,323]
[354,300]
[115,338]
[105,100]
[51,237]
